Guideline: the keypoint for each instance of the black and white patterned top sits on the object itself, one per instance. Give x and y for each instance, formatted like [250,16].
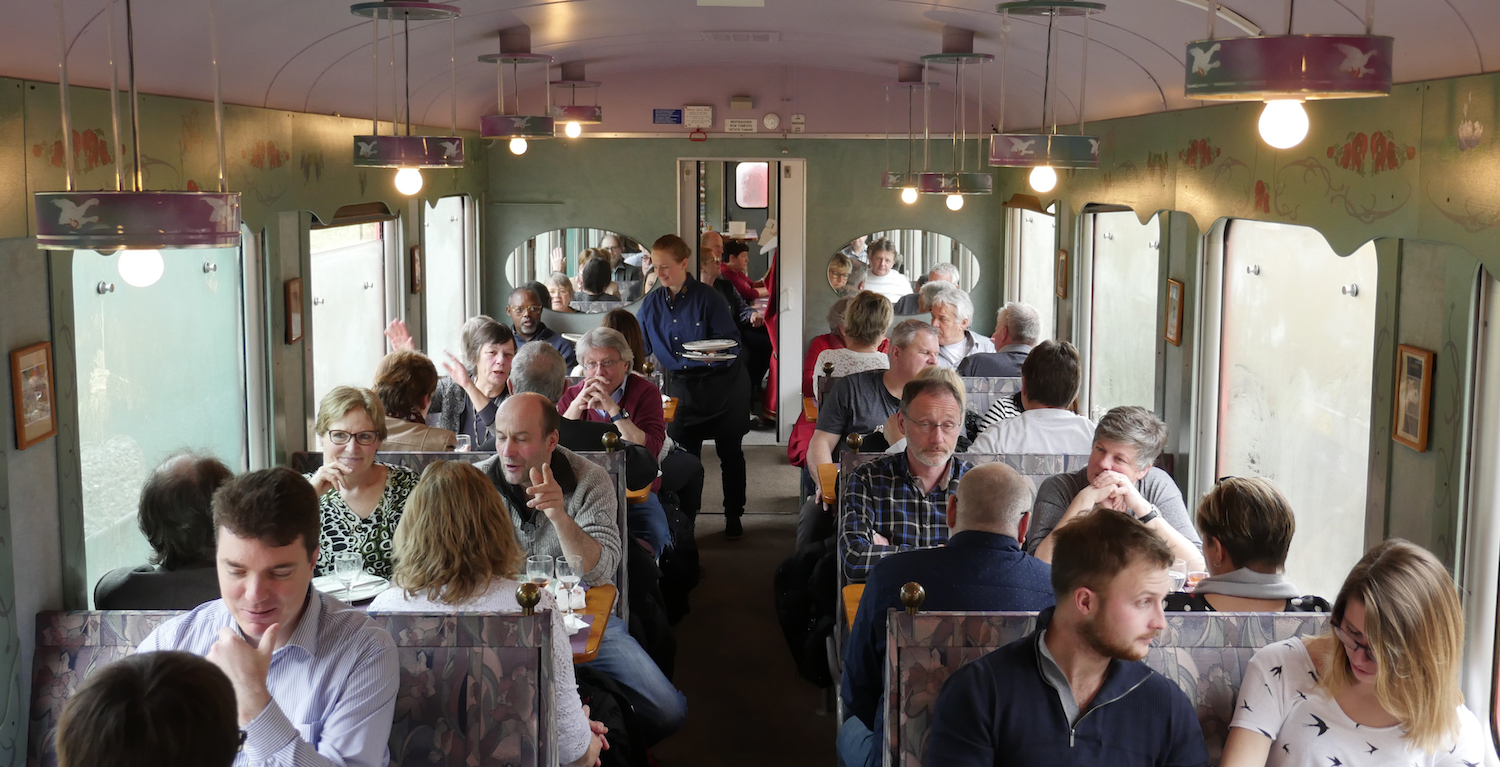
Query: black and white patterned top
[343,530]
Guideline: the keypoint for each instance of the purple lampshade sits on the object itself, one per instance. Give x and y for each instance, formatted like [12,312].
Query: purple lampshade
[409,151]
[1032,150]
[1289,67]
[137,220]
[955,183]
[516,126]
[578,113]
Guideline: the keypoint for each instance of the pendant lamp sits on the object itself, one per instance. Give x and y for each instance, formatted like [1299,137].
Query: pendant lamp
[958,51]
[508,122]
[574,114]
[1286,70]
[134,219]
[407,153]
[1049,150]
[908,80]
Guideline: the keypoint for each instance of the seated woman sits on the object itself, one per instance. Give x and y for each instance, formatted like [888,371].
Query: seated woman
[1381,687]
[455,552]
[839,267]
[624,322]
[405,382]
[360,501]
[1247,528]
[594,281]
[560,290]
[866,321]
[467,399]
[176,517]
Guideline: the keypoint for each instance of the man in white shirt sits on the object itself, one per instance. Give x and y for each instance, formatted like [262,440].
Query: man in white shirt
[883,277]
[1049,382]
[952,311]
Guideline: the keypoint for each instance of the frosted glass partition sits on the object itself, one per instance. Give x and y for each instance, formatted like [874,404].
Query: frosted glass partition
[445,287]
[1294,387]
[1038,266]
[1124,326]
[348,297]
[160,369]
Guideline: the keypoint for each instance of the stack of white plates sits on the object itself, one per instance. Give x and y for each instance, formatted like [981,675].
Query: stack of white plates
[710,349]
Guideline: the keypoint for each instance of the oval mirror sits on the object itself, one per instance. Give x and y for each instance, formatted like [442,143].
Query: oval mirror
[898,262]
[561,260]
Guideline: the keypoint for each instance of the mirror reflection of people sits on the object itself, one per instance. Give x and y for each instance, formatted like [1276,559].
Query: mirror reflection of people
[884,278]
[560,290]
[525,310]
[595,281]
[856,250]
[839,268]
[622,272]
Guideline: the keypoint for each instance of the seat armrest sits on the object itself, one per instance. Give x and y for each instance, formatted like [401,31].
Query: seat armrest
[828,479]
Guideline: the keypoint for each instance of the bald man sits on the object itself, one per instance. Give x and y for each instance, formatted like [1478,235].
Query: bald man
[981,568]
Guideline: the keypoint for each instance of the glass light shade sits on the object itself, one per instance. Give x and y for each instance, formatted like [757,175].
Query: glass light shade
[573,129]
[141,268]
[1043,178]
[955,201]
[909,195]
[518,146]
[1283,123]
[408,181]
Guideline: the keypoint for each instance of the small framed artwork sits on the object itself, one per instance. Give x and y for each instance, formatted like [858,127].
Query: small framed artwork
[293,291]
[416,269]
[1174,312]
[32,388]
[1060,274]
[1413,396]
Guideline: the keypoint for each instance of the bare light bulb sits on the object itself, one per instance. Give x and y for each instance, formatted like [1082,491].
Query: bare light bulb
[141,268]
[408,181]
[573,129]
[1283,123]
[1043,178]
[955,201]
[518,146]
[909,195]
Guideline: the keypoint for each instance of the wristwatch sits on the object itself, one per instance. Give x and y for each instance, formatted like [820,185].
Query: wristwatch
[620,416]
[1150,515]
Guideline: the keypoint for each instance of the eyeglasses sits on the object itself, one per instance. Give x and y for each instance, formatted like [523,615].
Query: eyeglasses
[927,427]
[524,310]
[1350,645]
[342,437]
[605,365]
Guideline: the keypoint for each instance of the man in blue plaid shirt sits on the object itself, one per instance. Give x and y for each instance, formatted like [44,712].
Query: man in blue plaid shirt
[897,502]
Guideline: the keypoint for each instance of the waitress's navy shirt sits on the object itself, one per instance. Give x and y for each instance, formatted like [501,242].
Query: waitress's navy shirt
[697,313]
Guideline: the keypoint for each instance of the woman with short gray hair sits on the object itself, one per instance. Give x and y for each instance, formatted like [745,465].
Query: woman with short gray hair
[468,398]
[1120,478]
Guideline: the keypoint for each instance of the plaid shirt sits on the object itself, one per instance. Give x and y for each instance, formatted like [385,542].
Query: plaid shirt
[883,497]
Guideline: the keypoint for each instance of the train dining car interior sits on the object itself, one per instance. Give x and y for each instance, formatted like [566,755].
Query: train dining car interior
[856,382]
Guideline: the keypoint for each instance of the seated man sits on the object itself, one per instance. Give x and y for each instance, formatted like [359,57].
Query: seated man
[884,278]
[315,680]
[540,369]
[1017,329]
[981,568]
[860,404]
[561,503]
[1120,476]
[165,709]
[1075,692]
[898,500]
[625,274]
[525,310]
[1049,382]
[751,324]
[952,311]
[176,517]
[919,302]
[405,381]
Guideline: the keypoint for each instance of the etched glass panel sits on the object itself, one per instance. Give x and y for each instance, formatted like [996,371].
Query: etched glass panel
[1122,341]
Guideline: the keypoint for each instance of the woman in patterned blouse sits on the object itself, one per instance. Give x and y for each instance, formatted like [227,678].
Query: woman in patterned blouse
[360,501]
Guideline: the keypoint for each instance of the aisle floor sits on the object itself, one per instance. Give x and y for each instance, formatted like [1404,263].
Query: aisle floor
[746,705]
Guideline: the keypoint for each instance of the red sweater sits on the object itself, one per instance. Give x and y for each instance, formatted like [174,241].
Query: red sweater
[642,400]
[741,283]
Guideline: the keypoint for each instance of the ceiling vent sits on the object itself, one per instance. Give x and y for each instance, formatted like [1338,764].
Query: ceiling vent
[742,37]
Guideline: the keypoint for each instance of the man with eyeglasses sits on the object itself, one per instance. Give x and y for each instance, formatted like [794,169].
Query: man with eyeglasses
[899,502]
[525,312]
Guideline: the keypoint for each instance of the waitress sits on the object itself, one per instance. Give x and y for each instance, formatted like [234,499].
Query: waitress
[713,397]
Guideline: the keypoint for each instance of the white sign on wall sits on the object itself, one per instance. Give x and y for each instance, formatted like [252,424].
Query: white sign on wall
[698,117]
[740,126]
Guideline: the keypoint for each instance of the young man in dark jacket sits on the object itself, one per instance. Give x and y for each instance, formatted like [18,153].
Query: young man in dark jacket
[1075,692]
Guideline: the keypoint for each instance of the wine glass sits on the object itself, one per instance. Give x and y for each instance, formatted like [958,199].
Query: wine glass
[1193,578]
[465,443]
[539,570]
[569,572]
[1178,574]
[346,566]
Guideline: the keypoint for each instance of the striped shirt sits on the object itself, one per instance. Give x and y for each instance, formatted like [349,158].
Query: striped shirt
[333,685]
[883,497]
[1002,409]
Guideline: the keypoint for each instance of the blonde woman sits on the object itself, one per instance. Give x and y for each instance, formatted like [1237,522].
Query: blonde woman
[1380,687]
[867,318]
[455,550]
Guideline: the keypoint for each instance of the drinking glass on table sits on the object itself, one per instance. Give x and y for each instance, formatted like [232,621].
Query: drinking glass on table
[465,443]
[569,572]
[539,570]
[1193,578]
[346,567]
[1178,574]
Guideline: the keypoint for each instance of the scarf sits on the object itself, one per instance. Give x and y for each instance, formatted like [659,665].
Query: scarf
[1248,584]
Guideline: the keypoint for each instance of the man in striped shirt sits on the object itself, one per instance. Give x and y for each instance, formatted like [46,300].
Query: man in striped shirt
[315,680]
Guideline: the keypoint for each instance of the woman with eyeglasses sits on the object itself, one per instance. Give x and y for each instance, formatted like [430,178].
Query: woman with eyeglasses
[1381,687]
[360,501]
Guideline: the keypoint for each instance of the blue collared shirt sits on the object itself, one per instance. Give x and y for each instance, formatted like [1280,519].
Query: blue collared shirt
[885,498]
[697,313]
[333,685]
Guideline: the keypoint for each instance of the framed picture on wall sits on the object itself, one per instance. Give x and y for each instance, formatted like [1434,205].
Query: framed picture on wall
[1060,275]
[416,269]
[1174,312]
[1413,396]
[293,292]
[32,389]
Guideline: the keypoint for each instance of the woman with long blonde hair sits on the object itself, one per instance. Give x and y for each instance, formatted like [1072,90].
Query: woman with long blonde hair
[455,551]
[1381,686]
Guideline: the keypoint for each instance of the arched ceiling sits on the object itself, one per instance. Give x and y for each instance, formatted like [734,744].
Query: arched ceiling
[314,56]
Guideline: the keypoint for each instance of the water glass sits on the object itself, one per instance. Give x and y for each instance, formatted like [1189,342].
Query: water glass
[346,567]
[569,572]
[539,570]
[1178,574]
[465,443]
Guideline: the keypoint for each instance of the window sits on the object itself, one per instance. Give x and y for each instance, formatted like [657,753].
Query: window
[160,369]
[447,266]
[1036,250]
[1295,369]
[752,185]
[1124,324]
[349,304]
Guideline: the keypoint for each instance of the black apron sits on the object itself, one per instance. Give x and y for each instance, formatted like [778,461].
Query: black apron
[709,394]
